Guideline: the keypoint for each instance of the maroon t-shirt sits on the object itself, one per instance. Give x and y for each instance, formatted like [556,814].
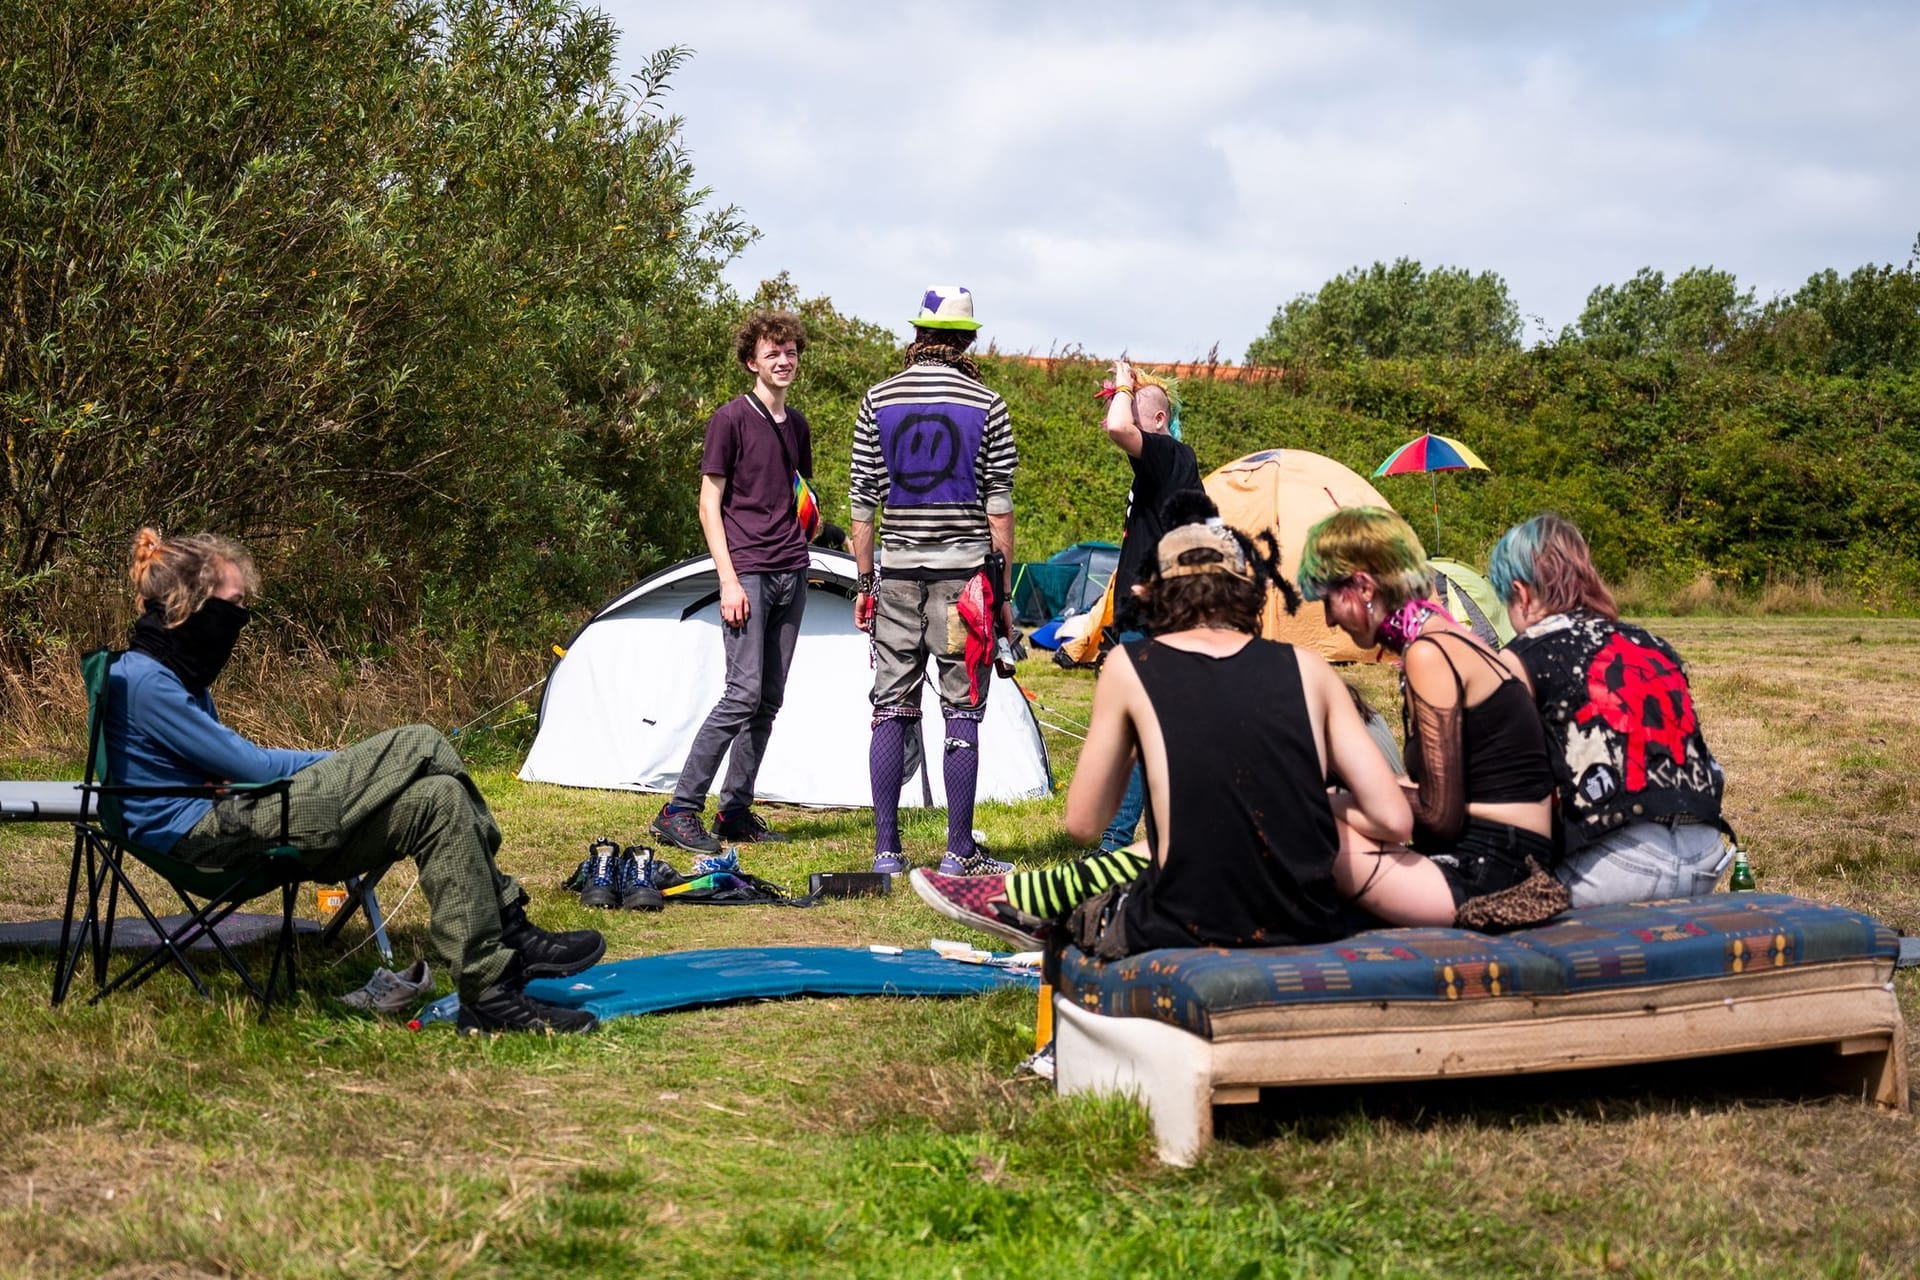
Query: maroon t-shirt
[763,533]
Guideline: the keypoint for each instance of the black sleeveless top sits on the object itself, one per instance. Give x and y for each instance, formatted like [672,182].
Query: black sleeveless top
[1502,737]
[1253,839]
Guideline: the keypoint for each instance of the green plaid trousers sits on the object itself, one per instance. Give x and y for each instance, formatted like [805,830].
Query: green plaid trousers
[402,793]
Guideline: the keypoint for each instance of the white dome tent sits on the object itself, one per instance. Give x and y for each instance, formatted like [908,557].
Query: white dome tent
[637,681]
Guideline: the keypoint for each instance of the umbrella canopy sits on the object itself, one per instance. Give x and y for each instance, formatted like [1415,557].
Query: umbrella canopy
[1430,452]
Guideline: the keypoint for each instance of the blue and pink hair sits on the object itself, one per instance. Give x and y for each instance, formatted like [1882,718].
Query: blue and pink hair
[1550,556]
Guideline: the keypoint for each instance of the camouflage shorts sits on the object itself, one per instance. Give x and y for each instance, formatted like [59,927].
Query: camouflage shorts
[912,621]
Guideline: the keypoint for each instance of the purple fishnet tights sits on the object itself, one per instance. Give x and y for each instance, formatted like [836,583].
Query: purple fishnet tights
[886,761]
[962,774]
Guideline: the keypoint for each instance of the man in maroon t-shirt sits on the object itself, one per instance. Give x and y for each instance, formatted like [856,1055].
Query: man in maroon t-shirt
[755,445]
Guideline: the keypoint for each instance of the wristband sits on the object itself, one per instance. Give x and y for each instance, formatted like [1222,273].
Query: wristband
[864,584]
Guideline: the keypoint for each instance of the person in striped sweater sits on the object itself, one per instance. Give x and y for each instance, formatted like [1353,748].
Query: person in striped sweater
[933,464]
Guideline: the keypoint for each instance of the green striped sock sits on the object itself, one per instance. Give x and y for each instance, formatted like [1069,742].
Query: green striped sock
[1054,891]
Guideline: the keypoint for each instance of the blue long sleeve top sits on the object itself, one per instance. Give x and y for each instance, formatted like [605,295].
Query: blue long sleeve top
[159,734]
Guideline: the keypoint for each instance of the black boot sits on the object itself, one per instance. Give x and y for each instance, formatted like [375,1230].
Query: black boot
[505,1006]
[548,955]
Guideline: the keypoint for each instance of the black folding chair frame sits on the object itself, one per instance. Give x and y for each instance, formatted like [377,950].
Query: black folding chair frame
[100,858]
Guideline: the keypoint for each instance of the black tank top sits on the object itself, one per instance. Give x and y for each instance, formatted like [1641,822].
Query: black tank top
[1253,839]
[1502,736]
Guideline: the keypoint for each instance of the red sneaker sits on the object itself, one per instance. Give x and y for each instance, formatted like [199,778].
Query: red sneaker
[979,901]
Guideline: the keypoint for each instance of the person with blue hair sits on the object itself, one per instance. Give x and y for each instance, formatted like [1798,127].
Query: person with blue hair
[1639,793]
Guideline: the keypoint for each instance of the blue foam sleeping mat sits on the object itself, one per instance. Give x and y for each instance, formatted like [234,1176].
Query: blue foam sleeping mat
[690,979]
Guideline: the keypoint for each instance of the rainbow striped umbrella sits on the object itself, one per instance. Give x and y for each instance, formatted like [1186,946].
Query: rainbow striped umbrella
[1431,453]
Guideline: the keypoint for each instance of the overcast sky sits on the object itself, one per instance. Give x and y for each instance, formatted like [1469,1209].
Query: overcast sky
[1160,177]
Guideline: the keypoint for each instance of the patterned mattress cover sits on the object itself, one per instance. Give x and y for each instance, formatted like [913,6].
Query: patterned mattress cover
[1747,937]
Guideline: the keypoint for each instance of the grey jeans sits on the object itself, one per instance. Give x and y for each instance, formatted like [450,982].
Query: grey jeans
[759,653]
[1643,862]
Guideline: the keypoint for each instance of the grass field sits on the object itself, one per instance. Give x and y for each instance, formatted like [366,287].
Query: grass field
[158,1135]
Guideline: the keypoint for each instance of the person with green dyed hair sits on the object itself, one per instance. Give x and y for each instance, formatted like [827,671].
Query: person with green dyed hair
[1477,756]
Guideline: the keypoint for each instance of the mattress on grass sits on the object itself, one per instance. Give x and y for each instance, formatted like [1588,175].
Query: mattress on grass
[43,802]
[1591,961]
[690,979]
[237,930]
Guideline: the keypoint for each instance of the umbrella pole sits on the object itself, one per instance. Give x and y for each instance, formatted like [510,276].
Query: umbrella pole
[1433,483]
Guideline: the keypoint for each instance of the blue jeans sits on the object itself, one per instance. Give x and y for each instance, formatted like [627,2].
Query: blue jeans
[1119,833]
[1645,861]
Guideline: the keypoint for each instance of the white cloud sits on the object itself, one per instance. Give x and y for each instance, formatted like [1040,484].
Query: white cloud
[1162,177]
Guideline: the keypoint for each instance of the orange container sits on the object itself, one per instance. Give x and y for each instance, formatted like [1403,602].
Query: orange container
[328,899]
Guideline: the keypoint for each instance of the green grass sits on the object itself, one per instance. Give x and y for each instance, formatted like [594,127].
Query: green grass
[157,1134]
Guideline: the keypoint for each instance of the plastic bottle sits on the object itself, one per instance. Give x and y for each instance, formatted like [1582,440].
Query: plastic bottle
[445,1009]
[1741,881]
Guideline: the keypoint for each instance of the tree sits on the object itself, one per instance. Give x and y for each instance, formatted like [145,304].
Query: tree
[1397,310]
[1699,313]
[410,293]
[1871,318]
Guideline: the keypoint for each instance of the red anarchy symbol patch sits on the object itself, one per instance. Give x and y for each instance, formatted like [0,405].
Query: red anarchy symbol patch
[1637,691]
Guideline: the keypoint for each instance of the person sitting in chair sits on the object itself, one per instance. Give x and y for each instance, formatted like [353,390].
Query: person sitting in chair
[402,793]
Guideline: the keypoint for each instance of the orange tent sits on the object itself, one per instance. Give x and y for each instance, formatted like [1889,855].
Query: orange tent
[1286,492]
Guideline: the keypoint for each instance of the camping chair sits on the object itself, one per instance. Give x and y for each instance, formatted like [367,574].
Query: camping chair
[101,848]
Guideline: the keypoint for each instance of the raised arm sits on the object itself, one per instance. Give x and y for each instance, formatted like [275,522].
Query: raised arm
[1121,427]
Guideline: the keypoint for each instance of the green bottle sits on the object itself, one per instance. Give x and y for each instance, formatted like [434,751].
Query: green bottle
[1742,879]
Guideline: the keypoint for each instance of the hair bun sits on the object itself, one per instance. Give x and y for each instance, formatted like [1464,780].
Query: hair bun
[148,546]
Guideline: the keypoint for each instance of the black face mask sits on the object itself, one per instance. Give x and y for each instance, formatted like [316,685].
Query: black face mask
[198,648]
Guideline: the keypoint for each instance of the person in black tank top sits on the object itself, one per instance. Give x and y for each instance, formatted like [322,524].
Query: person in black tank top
[1237,736]
[1476,751]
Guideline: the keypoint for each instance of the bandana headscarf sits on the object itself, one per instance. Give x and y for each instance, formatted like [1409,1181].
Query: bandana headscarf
[1399,628]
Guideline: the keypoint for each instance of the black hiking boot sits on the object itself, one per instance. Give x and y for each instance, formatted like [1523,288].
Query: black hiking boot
[548,955]
[635,881]
[684,830]
[506,1006]
[745,827]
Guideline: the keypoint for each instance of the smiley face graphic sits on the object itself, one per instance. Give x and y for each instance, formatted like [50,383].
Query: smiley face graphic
[926,452]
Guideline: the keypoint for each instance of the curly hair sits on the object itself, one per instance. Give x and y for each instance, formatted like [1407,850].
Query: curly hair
[1220,599]
[778,327]
[943,346]
[1549,554]
[180,574]
[1369,540]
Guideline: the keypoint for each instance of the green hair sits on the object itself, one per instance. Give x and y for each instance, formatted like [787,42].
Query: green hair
[1370,540]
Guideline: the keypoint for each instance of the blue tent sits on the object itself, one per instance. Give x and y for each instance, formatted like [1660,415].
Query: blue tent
[1067,582]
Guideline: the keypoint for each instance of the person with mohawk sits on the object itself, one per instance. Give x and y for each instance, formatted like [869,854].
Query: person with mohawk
[1143,422]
